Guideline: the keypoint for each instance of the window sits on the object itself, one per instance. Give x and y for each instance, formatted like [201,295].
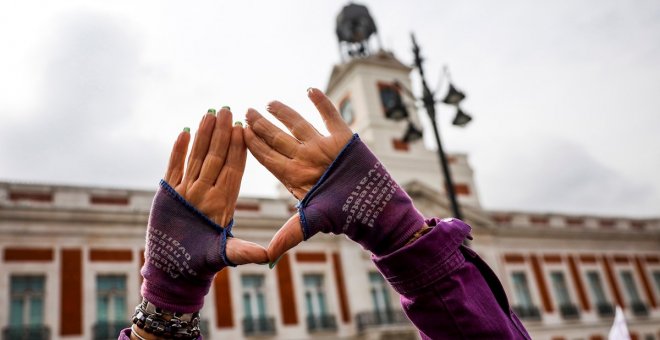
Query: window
[566,307]
[346,111]
[111,298]
[111,308]
[596,286]
[524,307]
[27,301]
[380,295]
[390,99]
[389,96]
[656,279]
[315,302]
[256,320]
[631,288]
[315,295]
[637,305]
[521,289]
[560,288]
[603,306]
[254,303]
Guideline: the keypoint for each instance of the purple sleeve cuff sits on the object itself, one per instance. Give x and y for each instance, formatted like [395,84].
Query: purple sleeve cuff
[428,259]
[125,334]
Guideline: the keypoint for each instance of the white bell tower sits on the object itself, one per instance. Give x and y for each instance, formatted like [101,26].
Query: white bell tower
[368,89]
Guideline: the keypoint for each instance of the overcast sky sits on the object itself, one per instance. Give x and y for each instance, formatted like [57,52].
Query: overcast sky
[565,95]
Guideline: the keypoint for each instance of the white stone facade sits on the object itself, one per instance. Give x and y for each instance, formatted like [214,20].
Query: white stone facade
[70,235]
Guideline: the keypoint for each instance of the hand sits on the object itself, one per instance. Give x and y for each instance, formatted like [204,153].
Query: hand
[212,178]
[297,162]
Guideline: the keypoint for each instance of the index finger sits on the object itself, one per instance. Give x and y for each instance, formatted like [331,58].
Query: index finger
[177,162]
[299,127]
[329,113]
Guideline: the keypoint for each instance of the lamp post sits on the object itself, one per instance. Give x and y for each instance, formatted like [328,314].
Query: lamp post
[429,104]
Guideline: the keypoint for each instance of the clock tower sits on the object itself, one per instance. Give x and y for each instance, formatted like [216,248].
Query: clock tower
[369,89]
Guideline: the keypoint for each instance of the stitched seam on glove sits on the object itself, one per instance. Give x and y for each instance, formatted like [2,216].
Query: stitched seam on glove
[177,196]
[305,201]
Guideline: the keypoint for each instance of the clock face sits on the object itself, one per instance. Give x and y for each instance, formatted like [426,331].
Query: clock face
[346,110]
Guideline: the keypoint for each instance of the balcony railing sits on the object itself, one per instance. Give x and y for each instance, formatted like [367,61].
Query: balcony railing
[27,333]
[322,323]
[380,318]
[605,309]
[530,313]
[259,326]
[108,330]
[569,311]
[639,308]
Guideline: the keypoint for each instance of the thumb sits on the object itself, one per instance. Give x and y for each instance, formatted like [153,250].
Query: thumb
[242,252]
[289,235]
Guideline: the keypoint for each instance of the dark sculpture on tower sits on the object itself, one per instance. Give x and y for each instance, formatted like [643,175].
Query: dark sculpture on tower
[355,27]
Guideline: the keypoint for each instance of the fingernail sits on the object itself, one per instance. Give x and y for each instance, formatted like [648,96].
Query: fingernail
[186,129]
[238,123]
[227,107]
[272,265]
[211,111]
[310,90]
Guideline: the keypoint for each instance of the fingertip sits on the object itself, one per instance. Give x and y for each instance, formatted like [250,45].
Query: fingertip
[251,115]
[237,132]
[184,138]
[208,123]
[273,106]
[315,94]
[289,236]
[225,116]
[243,252]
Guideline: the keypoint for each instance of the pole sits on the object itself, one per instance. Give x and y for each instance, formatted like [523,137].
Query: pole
[429,105]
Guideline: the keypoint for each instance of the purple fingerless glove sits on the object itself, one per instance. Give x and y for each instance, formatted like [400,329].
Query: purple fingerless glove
[356,196]
[185,249]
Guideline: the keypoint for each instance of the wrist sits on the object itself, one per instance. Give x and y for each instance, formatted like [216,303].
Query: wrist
[140,334]
[158,323]
[358,197]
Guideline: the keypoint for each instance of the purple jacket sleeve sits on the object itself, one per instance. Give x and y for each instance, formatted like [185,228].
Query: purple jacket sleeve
[447,290]
[125,334]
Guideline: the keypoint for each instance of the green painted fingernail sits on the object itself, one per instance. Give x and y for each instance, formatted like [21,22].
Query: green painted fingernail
[272,265]
[238,123]
[186,129]
[211,111]
[227,107]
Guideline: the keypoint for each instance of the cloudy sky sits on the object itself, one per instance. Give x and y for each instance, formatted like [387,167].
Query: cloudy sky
[565,94]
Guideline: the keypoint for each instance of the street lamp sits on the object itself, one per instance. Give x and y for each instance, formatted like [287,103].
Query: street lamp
[453,97]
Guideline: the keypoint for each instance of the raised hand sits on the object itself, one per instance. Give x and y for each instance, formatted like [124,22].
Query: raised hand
[189,235]
[342,186]
[212,178]
[297,162]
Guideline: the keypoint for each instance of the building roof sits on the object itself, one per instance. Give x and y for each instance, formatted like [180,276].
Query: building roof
[381,58]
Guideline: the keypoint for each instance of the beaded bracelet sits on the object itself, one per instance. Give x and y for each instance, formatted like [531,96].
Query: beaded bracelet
[167,324]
